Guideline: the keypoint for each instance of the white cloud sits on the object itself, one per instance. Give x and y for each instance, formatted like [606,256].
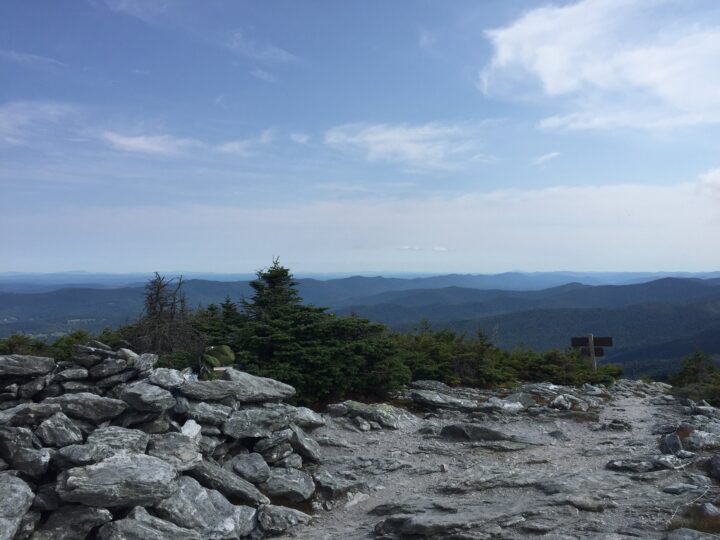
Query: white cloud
[30,60]
[145,10]
[263,75]
[545,158]
[241,44]
[425,146]
[245,147]
[150,144]
[620,62]
[709,182]
[300,138]
[21,121]
[627,227]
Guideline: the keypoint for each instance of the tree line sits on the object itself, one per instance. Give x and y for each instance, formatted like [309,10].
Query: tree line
[324,356]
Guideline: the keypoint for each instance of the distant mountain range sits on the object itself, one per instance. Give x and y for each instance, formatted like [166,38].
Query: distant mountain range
[655,322]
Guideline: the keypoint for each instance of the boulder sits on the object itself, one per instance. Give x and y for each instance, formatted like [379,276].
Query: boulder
[226,482]
[305,445]
[72,374]
[24,365]
[254,422]
[28,524]
[72,523]
[145,362]
[79,455]
[109,366]
[120,439]
[179,450]
[28,414]
[15,500]
[475,432]
[206,511]
[437,400]
[386,415]
[192,429]
[299,416]
[139,525]
[251,467]
[289,484]
[275,520]
[120,480]
[87,406]
[143,396]
[166,377]
[59,430]
[670,444]
[253,389]
[208,413]
[22,450]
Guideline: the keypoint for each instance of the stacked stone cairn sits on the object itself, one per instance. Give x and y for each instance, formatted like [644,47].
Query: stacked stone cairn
[108,446]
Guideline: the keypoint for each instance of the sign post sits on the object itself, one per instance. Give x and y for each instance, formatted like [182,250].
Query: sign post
[591,346]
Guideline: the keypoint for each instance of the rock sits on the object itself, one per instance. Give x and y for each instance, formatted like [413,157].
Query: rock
[209,390]
[714,467]
[33,388]
[86,360]
[139,525]
[209,413]
[252,467]
[145,362]
[166,377]
[277,452]
[289,484]
[127,354]
[386,415]
[429,525]
[561,402]
[21,449]
[633,465]
[15,500]
[59,430]
[117,379]
[254,389]
[72,523]
[293,461]
[74,387]
[72,374]
[120,439]
[299,416]
[276,520]
[501,405]
[670,444]
[524,398]
[437,400]
[254,422]
[192,430]
[333,486]
[689,534]
[89,406]
[476,432]
[28,524]
[120,480]
[46,498]
[28,414]
[702,440]
[679,488]
[226,482]
[143,396]
[78,455]
[109,366]
[175,448]
[305,445]
[25,365]
[206,511]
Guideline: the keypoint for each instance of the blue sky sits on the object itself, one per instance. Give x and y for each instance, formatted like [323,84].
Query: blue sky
[425,136]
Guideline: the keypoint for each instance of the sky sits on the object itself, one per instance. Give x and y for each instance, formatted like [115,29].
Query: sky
[360,136]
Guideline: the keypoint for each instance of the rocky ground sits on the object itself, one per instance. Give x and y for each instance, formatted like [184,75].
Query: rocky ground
[108,446]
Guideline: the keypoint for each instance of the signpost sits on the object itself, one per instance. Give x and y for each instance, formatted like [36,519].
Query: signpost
[591,346]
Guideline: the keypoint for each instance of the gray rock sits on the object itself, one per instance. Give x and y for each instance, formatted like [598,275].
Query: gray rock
[192,430]
[28,414]
[32,388]
[289,484]
[209,390]
[476,432]
[109,366]
[679,488]
[59,430]
[143,396]
[89,406]
[254,389]
[72,523]
[28,524]
[633,465]
[74,387]
[276,439]
[15,500]
[206,511]
[333,486]
[114,380]
[670,444]
[702,440]
[226,482]
[277,453]
[79,455]
[145,362]
[275,520]
[386,415]
[251,467]
[21,449]
[120,439]
[120,480]
[180,451]
[300,416]
[714,467]
[305,445]
[24,365]
[72,374]
[46,498]
[86,360]
[293,461]
[689,534]
[208,413]
[166,377]
[438,400]
[254,422]
[139,525]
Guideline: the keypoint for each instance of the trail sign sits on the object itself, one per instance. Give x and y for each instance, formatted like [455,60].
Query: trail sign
[591,346]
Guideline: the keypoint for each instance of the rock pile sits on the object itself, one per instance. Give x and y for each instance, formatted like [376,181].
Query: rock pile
[109,446]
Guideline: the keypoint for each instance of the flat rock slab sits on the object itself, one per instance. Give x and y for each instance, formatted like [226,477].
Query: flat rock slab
[179,450]
[28,414]
[276,520]
[120,480]
[25,365]
[72,523]
[477,432]
[256,388]
[140,525]
[88,406]
[289,484]
[120,439]
[206,511]
[59,430]
[144,396]
[15,500]
[226,482]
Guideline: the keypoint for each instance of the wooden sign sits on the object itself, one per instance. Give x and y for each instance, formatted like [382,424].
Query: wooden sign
[599,351]
[591,346]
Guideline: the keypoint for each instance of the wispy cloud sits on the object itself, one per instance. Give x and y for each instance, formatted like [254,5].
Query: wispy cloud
[30,60]
[709,182]
[425,146]
[300,138]
[614,62]
[263,75]
[21,121]
[240,43]
[145,10]
[245,147]
[545,158]
[150,144]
